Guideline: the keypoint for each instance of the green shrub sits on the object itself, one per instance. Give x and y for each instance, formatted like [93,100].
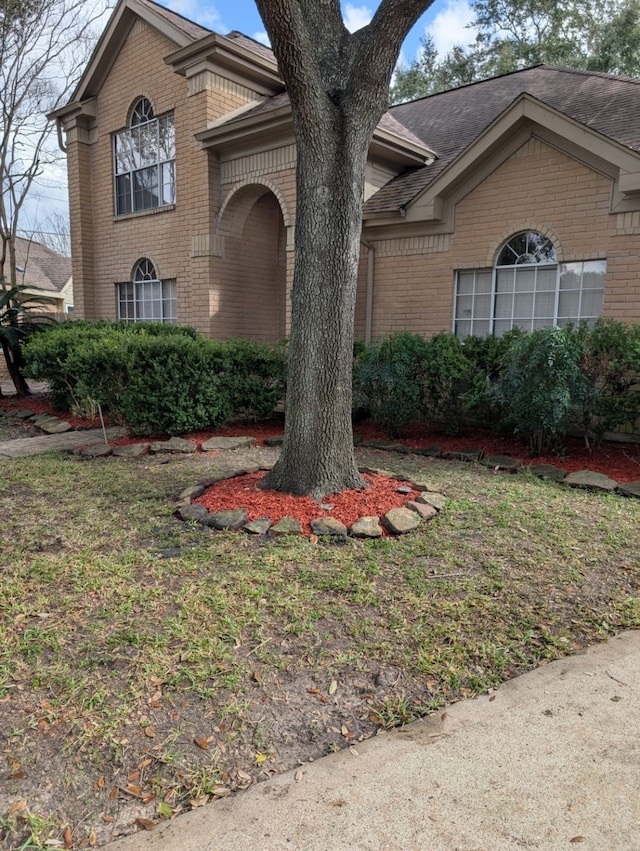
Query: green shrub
[55,356]
[253,377]
[159,379]
[486,359]
[611,368]
[172,386]
[388,381]
[542,385]
[444,372]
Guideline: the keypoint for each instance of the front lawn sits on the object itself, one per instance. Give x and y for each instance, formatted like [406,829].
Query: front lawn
[149,665]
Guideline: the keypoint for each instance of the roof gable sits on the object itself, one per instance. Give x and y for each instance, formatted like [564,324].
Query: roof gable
[606,108]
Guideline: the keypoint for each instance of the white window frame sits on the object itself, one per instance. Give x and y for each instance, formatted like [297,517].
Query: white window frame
[145,151]
[482,288]
[146,298]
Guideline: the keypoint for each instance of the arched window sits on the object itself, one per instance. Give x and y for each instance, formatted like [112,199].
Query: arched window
[145,298]
[527,289]
[144,161]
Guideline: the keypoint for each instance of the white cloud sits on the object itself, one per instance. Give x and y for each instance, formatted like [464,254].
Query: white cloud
[262,37]
[356,17]
[449,27]
[204,14]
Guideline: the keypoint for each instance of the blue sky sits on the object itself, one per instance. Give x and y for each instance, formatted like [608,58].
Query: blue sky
[445,21]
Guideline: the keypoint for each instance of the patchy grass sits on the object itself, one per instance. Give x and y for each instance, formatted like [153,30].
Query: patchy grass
[147,665]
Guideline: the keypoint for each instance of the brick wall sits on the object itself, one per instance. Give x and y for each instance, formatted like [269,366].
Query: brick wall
[537,188]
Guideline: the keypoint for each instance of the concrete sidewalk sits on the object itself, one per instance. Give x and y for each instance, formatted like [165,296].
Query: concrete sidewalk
[549,761]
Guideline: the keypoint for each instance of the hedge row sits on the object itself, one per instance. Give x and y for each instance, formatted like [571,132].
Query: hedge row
[156,378]
[539,385]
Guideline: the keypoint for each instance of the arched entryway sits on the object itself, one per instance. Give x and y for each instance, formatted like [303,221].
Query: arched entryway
[252,273]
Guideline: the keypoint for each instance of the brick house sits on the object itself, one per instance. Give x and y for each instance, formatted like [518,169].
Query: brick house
[511,201]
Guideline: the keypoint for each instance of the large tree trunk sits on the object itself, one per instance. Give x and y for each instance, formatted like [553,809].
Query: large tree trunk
[317,455]
[338,84]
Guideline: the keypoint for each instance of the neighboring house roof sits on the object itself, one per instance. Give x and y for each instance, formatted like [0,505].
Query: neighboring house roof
[44,269]
[450,121]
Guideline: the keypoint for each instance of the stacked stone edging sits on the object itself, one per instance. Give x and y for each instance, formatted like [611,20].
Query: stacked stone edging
[397,521]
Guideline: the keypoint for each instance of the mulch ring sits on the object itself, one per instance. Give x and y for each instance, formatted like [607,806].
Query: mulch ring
[348,506]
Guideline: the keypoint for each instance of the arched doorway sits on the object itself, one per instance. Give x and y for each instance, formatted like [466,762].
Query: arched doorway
[252,274]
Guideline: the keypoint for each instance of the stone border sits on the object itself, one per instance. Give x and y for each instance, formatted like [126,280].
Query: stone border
[397,521]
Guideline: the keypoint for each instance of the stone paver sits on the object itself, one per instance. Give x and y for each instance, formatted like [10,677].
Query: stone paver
[226,443]
[69,441]
[590,480]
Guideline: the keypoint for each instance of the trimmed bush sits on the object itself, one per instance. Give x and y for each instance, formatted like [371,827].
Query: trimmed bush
[541,386]
[157,381]
[387,380]
[611,367]
[253,377]
[444,372]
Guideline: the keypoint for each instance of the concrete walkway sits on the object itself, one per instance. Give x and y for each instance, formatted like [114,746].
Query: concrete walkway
[65,442]
[549,761]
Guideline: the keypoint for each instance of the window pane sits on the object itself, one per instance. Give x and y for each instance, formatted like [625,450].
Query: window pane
[525,280]
[593,275]
[523,306]
[166,138]
[570,276]
[464,307]
[569,305]
[482,328]
[545,305]
[481,307]
[504,280]
[591,304]
[546,279]
[168,184]
[500,326]
[463,328]
[123,194]
[484,281]
[145,189]
[169,301]
[465,283]
[504,306]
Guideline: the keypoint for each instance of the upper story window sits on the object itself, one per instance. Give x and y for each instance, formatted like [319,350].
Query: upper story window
[144,161]
[528,289]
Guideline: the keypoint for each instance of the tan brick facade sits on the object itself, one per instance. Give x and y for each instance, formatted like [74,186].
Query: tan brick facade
[228,240]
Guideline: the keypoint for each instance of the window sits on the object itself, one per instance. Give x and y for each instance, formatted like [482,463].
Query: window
[528,289]
[145,298]
[144,161]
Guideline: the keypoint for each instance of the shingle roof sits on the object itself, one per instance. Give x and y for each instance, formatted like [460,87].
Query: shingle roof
[44,269]
[252,44]
[188,27]
[449,122]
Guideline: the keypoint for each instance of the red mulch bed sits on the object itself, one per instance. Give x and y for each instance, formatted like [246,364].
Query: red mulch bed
[245,492]
[620,461]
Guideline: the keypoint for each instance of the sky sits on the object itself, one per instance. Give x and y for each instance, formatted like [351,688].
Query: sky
[446,22]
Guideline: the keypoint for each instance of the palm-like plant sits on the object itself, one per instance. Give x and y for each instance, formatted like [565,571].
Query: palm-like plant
[19,318]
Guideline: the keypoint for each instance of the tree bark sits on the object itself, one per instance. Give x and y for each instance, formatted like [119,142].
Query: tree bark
[338,84]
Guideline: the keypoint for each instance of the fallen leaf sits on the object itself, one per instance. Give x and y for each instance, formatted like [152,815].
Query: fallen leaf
[344,730]
[260,758]
[243,775]
[67,836]
[333,687]
[149,732]
[113,794]
[100,782]
[146,823]
[200,801]
[18,775]
[220,791]
[17,806]
[93,839]
[298,776]
[313,539]
[202,743]
[578,839]
[164,809]
[132,789]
